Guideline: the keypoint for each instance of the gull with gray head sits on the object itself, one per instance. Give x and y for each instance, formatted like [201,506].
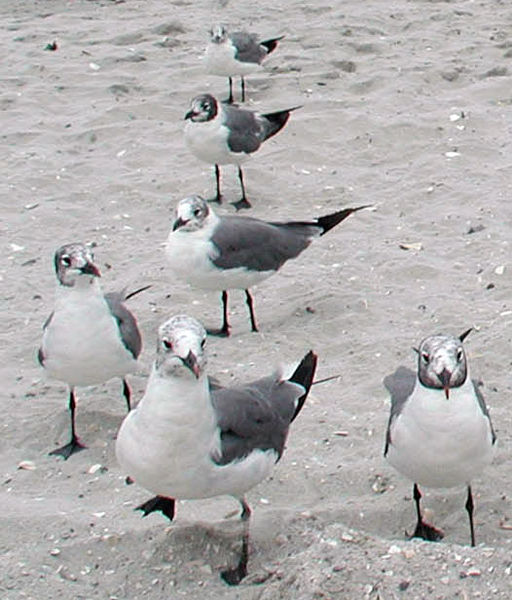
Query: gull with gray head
[216,252]
[187,439]
[238,53]
[219,134]
[439,432]
[90,337]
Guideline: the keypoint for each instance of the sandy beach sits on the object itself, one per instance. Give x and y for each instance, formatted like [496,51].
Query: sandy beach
[406,106]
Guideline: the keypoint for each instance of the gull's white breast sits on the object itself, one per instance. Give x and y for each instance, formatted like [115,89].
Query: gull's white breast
[220,60]
[166,445]
[207,141]
[190,256]
[439,442]
[82,343]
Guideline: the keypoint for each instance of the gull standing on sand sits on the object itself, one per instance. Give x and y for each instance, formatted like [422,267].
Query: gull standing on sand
[89,338]
[439,433]
[239,53]
[187,439]
[220,134]
[215,252]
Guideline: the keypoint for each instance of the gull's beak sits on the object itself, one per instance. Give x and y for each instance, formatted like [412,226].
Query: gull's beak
[191,362]
[90,269]
[179,223]
[190,114]
[444,377]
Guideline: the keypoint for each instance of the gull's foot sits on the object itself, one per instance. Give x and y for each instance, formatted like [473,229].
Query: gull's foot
[235,576]
[66,451]
[222,332]
[217,199]
[159,503]
[241,204]
[428,532]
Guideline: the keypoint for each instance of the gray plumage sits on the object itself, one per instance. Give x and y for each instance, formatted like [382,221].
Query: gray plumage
[257,416]
[250,49]
[265,246]
[128,330]
[400,385]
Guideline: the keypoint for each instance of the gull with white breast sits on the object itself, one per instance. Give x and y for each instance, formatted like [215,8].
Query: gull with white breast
[439,433]
[214,252]
[89,337]
[219,134]
[188,439]
[238,53]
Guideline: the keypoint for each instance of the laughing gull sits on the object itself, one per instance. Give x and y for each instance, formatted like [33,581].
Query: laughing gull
[239,53]
[220,134]
[215,252]
[89,337]
[187,439]
[439,433]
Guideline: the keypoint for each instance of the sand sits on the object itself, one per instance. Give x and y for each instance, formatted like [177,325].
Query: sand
[406,106]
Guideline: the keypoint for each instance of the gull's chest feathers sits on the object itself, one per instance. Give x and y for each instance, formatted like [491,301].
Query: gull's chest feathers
[220,60]
[441,442]
[208,141]
[169,442]
[82,343]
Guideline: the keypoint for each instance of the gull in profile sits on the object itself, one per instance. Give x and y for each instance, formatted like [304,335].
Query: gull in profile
[238,53]
[219,134]
[214,252]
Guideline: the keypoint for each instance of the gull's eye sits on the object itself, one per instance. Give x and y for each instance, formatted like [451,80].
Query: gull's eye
[167,344]
[425,357]
[197,212]
[460,354]
[203,342]
[66,260]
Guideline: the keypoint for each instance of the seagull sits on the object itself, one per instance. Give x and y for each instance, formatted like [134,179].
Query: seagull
[220,134]
[188,439]
[89,337]
[439,432]
[236,252]
[238,53]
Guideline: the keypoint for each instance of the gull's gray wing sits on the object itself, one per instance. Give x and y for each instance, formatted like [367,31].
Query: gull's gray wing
[483,406]
[254,417]
[245,130]
[40,353]
[259,245]
[128,329]
[400,385]
[248,49]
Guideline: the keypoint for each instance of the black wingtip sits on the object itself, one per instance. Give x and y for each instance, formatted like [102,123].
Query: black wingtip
[142,289]
[327,222]
[304,375]
[271,44]
[277,120]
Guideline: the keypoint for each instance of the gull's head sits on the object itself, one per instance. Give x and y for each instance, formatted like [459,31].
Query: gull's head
[218,34]
[191,214]
[75,263]
[442,362]
[202,108]
[180,350]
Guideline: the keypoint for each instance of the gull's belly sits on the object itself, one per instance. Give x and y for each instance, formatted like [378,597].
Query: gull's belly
[442,448]
[189,257]
[208,142]
[220,60]
[82,345]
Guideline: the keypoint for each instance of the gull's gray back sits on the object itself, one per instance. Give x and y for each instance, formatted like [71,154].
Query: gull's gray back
[258,245]
[255,416]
